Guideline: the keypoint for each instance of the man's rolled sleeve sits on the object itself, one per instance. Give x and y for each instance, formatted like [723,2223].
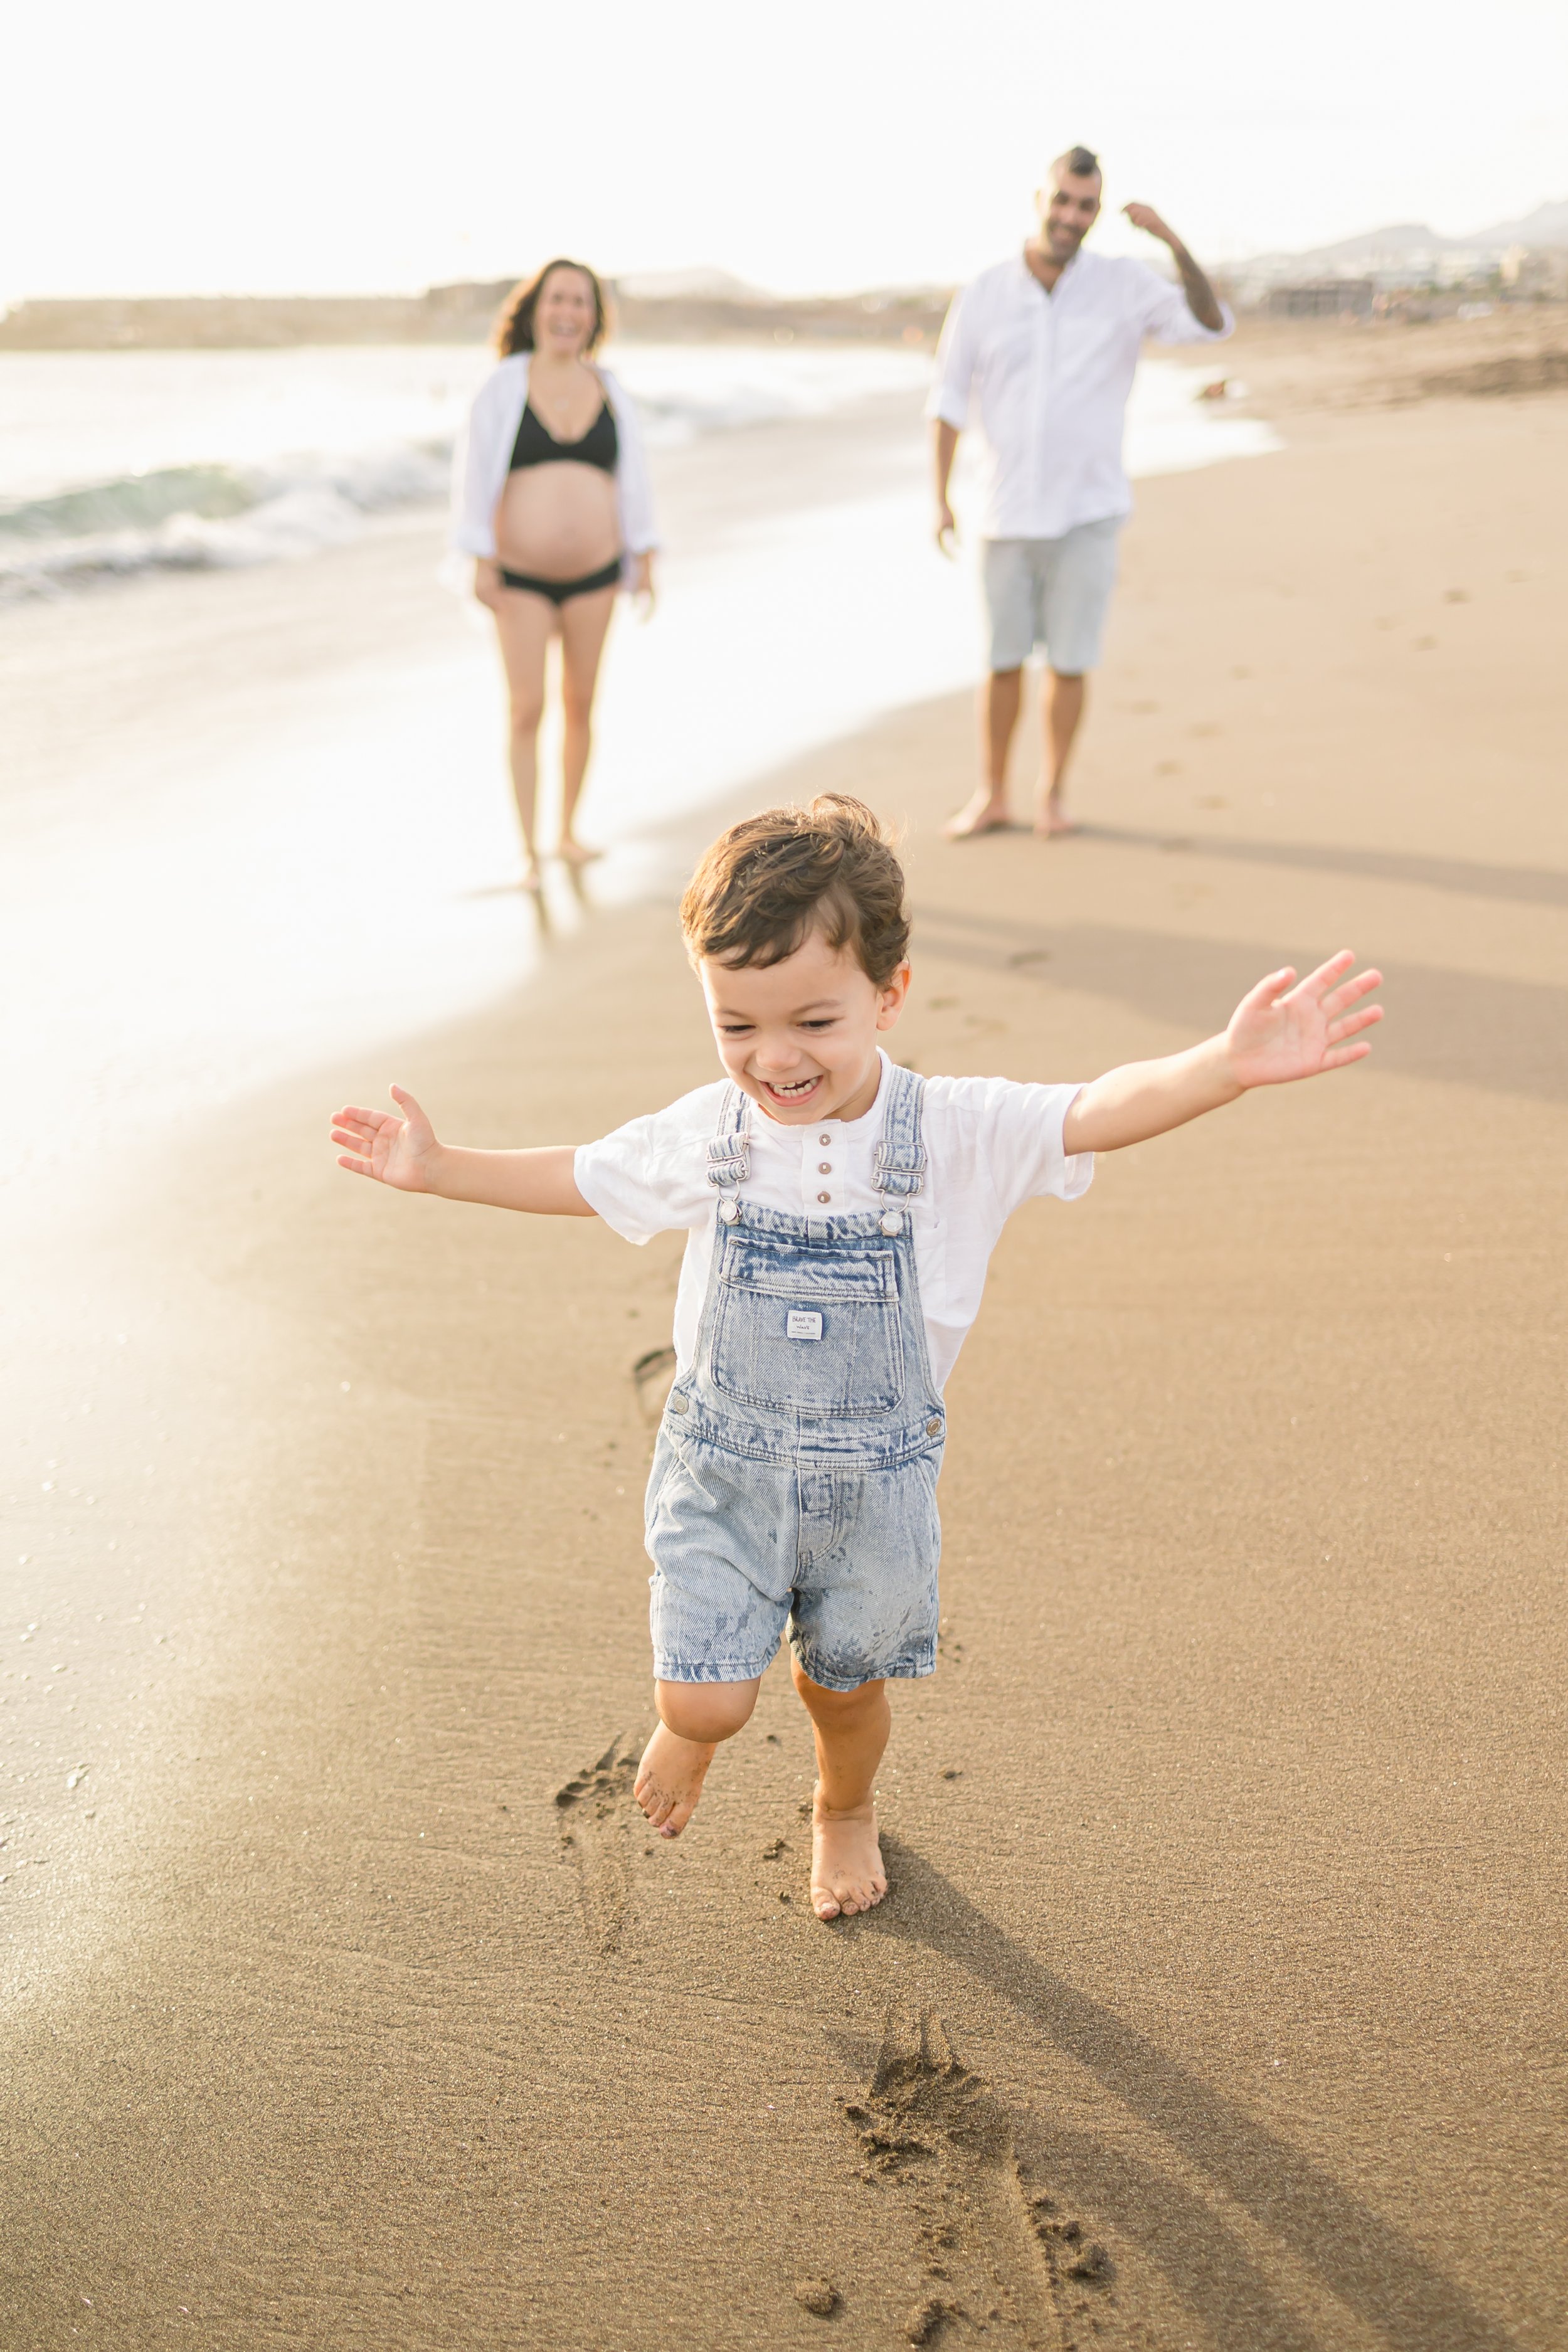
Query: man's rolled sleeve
[1170,319]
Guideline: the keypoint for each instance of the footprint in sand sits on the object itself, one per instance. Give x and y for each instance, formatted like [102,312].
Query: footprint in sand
[652,1376]
[1002,2266]
[599,1820]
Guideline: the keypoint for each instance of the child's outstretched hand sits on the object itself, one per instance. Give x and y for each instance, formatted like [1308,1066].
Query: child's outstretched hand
[1279,1032]
[396,1152]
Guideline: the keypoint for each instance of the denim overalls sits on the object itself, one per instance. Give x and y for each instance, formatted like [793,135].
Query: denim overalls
[795,1472]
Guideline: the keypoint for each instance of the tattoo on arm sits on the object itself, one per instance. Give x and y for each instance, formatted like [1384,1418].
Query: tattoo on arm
[1202,300]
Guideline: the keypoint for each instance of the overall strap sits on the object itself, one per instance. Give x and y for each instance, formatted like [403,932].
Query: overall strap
[899,1166]
[729,1151]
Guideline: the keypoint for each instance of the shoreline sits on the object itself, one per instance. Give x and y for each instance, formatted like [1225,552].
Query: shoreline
[1216,1840]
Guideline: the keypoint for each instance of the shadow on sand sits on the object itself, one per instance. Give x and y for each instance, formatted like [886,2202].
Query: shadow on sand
[1505,1035]
[1368,2264]
[1526,885]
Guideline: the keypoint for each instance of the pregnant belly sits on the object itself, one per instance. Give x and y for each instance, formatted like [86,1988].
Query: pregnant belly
[558,521]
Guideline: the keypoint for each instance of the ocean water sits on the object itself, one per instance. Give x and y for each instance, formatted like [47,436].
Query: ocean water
[119,462]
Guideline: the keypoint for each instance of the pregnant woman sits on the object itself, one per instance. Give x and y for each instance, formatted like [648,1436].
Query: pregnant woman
[551,497]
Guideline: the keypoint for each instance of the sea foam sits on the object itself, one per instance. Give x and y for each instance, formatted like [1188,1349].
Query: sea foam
[206,518]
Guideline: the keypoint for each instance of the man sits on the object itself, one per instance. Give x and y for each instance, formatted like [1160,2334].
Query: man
[1049,343]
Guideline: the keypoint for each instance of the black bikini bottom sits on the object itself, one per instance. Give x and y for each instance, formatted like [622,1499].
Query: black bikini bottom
[561,591]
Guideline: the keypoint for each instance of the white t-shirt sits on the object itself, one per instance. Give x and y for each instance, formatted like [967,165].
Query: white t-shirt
[990,1145]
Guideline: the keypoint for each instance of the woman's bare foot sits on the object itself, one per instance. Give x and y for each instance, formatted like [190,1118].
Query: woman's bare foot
[532,880]
[983,813]
[846,1873]
[669,1779]
[576,853]
[1053,820]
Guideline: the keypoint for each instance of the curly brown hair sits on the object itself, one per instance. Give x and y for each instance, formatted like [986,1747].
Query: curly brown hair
[773,880]
[513,329]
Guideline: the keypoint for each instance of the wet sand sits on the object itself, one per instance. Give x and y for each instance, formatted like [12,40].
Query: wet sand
[1225,1921]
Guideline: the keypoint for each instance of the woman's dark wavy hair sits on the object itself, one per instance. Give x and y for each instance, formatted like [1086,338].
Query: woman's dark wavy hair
[513,329]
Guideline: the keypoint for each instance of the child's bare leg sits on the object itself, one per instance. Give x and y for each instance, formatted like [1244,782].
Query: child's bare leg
[851,1729]
[693,1717]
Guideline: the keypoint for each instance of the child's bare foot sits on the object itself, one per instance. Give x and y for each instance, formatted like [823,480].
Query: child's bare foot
[669,1779]
[846,1873]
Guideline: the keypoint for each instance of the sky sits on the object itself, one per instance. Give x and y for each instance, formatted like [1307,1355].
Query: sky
[331,145]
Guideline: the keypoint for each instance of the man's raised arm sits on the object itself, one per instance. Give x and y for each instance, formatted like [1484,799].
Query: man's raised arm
[1202,300]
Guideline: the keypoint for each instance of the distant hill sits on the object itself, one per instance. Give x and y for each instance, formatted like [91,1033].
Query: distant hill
[677,306]
[1547,225]
[1413,242]
[1401,238]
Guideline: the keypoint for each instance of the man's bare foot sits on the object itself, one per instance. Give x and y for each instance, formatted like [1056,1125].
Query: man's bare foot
[576,853]
[983,813]
[1053,820]
[669,1779]
[846,1873]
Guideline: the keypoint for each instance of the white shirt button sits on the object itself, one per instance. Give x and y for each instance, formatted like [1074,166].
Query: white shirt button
[825,1198]
[825,1167]
[824,1138]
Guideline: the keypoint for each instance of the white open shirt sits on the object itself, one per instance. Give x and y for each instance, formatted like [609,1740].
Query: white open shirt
[991,1144]
[1050,374]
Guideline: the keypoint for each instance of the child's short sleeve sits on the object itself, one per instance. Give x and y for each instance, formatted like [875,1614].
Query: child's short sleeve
[651,1176]
[1008,1138]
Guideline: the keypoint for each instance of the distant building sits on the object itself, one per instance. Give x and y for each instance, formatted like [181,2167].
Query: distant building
[1322,298]
[1534,274]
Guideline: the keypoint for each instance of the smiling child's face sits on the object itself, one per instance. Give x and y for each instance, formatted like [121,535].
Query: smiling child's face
[800,1036]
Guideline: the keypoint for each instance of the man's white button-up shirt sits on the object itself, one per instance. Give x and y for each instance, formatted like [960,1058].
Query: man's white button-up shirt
[1049,375]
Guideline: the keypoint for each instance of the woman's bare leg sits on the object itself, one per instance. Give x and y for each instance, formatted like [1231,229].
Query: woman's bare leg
[851,1728]
[585,623]
[524,624]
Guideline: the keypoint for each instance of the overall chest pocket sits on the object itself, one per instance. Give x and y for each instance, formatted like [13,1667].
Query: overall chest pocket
[807,1332]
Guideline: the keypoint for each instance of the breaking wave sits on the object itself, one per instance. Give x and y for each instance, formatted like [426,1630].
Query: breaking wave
[206,518]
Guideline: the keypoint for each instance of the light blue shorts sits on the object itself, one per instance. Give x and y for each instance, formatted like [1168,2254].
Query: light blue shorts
[843,1552]
[1053,592]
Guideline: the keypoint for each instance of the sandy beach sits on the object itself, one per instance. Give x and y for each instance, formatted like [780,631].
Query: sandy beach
[1216,2001]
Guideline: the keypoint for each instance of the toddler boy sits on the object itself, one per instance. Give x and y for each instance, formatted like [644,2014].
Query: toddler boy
[840,1213]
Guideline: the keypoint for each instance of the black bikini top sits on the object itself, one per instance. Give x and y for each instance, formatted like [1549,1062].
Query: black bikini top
[537,446]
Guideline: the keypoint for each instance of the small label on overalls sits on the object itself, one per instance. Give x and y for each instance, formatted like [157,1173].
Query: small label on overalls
[802,1325]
